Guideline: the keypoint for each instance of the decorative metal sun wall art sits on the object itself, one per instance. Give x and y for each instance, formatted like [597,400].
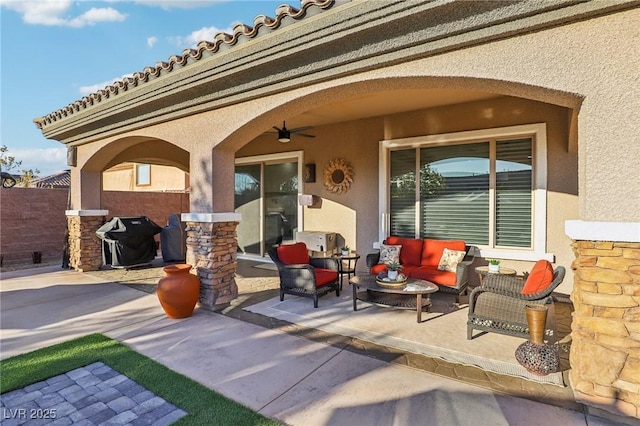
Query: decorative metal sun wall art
[338,176]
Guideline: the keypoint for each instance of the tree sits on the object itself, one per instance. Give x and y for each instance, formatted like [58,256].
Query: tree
[9,162]
[432,183]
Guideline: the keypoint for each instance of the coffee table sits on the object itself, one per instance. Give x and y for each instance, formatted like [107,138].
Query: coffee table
[401,297]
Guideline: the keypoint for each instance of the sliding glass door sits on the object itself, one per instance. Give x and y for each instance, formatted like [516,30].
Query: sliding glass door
[266,194]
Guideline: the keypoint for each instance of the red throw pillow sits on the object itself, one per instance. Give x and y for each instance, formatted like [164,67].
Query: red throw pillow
[540,277]
[293,254]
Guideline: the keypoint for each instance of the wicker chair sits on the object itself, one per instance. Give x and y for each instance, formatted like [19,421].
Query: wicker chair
[305,276]
[499,306]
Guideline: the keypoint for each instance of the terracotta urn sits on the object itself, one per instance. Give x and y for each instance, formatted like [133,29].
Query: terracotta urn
[178,291]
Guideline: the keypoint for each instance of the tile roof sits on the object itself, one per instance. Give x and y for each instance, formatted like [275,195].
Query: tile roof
[57,180]
[221,38]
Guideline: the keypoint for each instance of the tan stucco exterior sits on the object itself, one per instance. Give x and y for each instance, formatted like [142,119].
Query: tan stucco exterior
[123,177]
[346,68]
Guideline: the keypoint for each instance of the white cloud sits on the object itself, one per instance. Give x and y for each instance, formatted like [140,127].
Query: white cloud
[95,15]
[86,90]
[47,160]
[56,13]
[151,41]
[205,33]
[178,4]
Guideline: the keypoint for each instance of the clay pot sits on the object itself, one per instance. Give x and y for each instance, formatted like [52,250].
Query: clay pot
[178,291]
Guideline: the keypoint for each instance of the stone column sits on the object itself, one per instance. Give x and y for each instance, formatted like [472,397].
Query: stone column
[605,348]
[212,247]
[85,248]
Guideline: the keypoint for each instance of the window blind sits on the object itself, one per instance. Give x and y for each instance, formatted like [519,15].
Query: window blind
[513,193]
[402,193]
[459,207]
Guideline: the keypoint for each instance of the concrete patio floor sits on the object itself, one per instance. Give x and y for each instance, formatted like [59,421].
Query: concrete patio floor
[295,375]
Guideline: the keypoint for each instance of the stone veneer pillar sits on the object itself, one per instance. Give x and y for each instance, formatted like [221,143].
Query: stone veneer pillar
[212,247]
[605,348]
[85,248]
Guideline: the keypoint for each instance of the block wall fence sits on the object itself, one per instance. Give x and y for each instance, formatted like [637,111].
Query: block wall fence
[34,220]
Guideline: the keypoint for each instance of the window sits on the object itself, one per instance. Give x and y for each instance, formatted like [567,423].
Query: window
[143,174]
[485,187]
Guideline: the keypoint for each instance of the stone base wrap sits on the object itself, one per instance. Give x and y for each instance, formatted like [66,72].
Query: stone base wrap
[85,248]
[212,247]
[605,348]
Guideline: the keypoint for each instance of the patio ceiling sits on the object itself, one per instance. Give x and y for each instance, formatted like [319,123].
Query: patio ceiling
[385,103]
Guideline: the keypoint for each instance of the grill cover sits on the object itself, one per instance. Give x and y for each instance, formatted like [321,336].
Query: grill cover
[128,241]
[173,240]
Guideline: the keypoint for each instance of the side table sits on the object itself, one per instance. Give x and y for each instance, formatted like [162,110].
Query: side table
[347,265]
[482,272]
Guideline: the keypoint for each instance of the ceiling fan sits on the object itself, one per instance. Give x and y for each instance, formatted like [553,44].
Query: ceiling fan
[284,134]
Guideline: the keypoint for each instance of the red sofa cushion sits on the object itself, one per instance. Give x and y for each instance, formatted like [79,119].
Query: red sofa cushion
[539,278]
[325,276]
[410,252]
[432,250]
[376,269]
[293,254]
[429,273]
[406,269]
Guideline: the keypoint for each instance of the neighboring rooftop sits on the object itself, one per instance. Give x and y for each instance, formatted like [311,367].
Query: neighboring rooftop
[57,180]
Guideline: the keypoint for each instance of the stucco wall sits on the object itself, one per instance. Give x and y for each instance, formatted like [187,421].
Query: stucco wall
[354,215]
[123,178]
[588,59]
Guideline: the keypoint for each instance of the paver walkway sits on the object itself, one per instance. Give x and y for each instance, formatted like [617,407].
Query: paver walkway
[91,395]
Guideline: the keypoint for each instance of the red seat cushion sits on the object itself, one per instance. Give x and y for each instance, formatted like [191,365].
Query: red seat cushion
[406,269]
[325,276]
[429,273]
[376,269]
[293,254]
[539,278]
[411,249]
[432,250]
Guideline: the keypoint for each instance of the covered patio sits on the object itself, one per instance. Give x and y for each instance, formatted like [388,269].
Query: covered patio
[386,334]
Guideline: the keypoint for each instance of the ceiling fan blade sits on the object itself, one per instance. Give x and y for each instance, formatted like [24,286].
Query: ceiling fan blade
[300,129]
[306,135]
[277,128]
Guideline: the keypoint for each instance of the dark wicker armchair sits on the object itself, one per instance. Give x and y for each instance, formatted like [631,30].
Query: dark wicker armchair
[305,276]
[498,305]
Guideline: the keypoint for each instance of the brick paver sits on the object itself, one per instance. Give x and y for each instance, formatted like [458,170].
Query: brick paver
[91,395]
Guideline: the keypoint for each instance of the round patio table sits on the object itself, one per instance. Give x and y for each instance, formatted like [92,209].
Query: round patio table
[347,265]
[416,294]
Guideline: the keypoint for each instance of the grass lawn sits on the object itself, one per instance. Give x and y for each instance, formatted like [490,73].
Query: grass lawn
[205,407]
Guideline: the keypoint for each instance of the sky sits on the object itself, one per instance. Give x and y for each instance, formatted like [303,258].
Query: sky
[54,52]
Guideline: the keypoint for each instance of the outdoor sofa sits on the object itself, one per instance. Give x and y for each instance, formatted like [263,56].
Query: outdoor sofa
[425,259]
